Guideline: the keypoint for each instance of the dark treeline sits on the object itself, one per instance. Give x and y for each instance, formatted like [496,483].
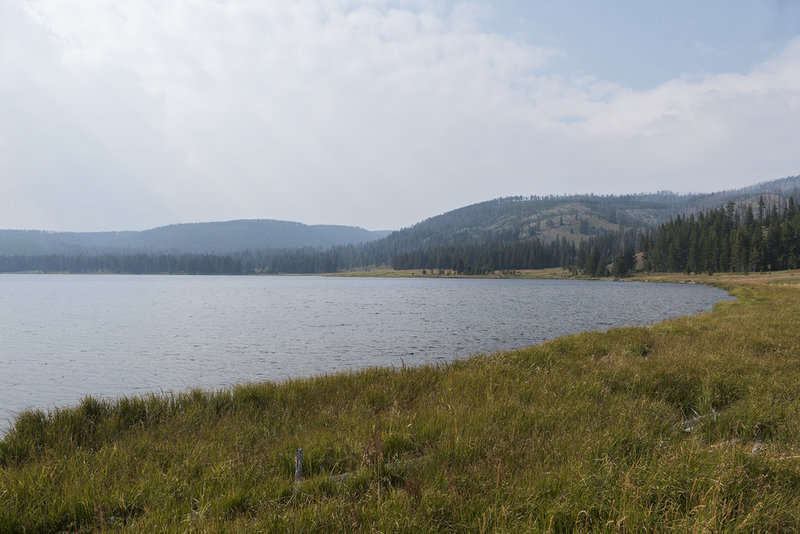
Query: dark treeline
[125,264]
[614,249]
[482,259]
[591,256]
[727,239]
[305,261]
[461,259]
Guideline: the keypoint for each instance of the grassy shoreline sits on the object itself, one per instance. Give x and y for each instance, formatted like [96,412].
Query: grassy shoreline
[690,424]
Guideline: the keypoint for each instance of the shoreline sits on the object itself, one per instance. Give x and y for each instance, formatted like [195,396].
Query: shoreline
[687,424]
[486,348]
[553,273]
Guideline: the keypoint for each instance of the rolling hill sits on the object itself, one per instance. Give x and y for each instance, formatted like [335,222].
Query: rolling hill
[574,217]
[196,238]
[495,222]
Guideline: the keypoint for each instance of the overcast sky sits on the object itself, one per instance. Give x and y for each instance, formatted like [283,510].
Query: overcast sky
[125,115]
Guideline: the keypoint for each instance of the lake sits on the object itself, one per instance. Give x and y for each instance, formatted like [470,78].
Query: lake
[67,336]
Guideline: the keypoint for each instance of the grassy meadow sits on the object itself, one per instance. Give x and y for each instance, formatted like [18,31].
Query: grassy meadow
[690,425]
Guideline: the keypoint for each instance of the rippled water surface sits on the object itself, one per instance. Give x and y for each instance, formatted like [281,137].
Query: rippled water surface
[67,336]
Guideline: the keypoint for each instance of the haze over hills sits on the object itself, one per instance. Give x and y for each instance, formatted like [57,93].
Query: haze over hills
[502,220]
[194,238]
[573,217]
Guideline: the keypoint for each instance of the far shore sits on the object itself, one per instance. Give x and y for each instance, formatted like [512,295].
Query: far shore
[557,273]
[552,273]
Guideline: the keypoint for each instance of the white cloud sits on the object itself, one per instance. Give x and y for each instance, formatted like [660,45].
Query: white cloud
[706,132]
[364,112]
[683,100]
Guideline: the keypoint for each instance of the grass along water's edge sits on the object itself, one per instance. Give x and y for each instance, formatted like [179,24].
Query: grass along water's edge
[689,424]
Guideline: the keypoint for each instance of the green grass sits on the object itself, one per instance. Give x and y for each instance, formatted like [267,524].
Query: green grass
[689,425]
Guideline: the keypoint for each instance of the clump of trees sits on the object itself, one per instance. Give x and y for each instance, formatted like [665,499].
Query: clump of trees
[482,259]
[727,240]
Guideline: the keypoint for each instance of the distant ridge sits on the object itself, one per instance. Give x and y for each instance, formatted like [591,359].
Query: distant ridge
[503,220]
[571,217]
[194,238]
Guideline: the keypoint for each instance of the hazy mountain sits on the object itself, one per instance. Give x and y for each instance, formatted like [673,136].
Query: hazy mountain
[572,217]
[199,238]
[503,220]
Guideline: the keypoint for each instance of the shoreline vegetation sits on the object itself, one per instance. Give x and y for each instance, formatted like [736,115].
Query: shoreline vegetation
[686,425]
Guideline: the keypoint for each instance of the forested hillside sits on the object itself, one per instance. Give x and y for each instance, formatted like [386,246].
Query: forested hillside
[741,237]
[574,217]
[588,234]
[734,238]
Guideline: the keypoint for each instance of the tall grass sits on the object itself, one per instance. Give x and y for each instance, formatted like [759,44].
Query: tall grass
[689,425]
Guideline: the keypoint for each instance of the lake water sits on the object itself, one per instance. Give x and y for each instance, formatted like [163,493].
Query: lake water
[67,336]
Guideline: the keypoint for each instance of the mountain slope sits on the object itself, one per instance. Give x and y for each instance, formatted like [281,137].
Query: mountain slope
[574,217]
[196,238]
[498,221]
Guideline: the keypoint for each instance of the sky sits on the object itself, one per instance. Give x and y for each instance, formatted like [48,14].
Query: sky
[128,115]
